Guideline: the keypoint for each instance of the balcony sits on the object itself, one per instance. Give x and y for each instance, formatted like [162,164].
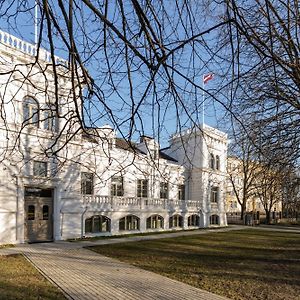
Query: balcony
[108,203]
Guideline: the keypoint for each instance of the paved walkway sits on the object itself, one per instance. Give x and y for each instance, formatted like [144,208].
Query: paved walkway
[83,274]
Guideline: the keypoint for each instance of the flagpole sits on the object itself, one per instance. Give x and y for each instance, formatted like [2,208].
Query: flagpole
[35,23]
[203,99]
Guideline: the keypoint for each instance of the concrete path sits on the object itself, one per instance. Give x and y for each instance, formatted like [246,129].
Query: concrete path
[83,274]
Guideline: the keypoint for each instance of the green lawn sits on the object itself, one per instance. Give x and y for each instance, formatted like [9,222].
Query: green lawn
[20,280]
[246,264]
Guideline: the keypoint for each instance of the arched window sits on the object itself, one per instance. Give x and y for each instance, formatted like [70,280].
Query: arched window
[194,220]
[155,222]
[30,111]
[212,161]
[176,221]
[96,224]
[217,162]
[130,222]
[214,220]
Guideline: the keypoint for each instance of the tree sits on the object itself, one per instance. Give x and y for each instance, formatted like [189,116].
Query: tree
[128,61]
[131,61]
[243,170]
[291,196]
[265,86]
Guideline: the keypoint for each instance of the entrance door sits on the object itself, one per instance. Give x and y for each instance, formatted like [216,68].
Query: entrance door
[38,215]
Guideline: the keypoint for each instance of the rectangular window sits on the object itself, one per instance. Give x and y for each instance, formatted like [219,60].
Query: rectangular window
[214,194]
[40,168]
[117,186]
[181,192]
[87,183]
[50,121]
[142,188]
[164,190]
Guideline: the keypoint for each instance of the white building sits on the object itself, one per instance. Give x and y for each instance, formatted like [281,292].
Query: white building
[58,181]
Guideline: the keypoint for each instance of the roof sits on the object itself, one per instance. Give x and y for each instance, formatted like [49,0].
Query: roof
[127,145]
[132,147]
[167,157]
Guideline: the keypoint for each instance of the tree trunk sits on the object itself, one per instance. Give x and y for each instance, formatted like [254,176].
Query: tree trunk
[243,210]
[268,217]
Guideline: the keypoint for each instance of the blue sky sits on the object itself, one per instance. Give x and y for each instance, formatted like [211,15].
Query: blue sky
[147,123]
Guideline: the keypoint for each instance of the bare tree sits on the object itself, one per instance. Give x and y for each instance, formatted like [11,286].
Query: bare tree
[243,172]
[131,61]
[265,84]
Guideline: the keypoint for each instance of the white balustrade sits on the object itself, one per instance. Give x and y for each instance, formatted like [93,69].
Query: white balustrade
[139,203]
[28,48]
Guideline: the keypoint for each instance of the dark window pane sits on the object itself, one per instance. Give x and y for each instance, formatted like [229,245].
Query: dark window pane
[87,183]
[88,225]
[164,190]
[45,212]
[142,188]
[181,192]
[31,213]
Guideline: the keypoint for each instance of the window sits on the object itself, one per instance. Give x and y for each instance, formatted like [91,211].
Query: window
[155,222]
[45,212]
[97,224]
[164,190]
[117,186]
[87,183]
[31,213]
[217,162]
[214,220]
[40,168]
[50,120]
[142,188]
[214,194]
[194,220]
[130,222]
[31,112]
[181,192]
[212,161]
[176,221]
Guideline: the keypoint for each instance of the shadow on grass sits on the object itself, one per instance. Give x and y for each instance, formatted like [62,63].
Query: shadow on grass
[239,265]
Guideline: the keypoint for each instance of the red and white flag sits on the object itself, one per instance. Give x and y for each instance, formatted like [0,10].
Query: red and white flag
[207,77]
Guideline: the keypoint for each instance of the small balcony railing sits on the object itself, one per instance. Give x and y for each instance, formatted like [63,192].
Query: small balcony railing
[115,203]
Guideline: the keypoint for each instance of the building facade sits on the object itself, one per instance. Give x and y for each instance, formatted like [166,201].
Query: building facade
[60,180]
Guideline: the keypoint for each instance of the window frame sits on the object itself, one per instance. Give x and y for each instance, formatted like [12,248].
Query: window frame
[50,120]
[129,223]
[104,224]
[214,194]
[117,186]
[181,191]
[142,188]
[193,220]
[155,222]
[212,161]
[217,162]
[31,111]
[214,219]
[38,171]
[86,190]
[176,221]
[164,190]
